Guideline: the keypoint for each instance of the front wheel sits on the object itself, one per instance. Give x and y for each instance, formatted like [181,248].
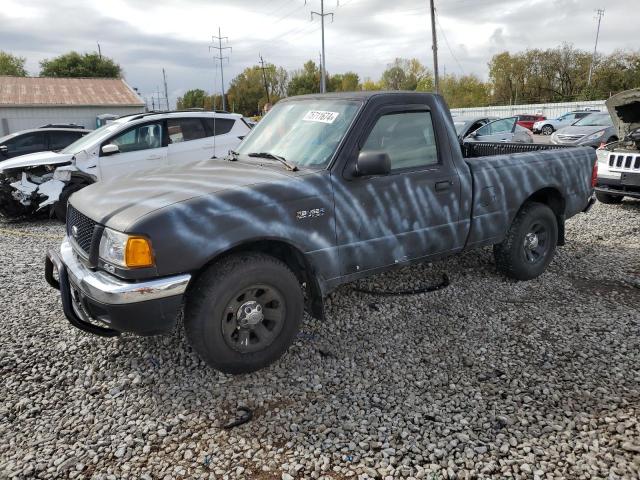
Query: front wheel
[244,312]
[530,243]
[547,130]
[608,198]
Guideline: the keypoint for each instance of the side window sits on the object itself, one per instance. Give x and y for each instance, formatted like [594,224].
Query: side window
[222,125]
[60,140]
[142,137]
[29,141]
[408,138]
[499,126]
[185,129]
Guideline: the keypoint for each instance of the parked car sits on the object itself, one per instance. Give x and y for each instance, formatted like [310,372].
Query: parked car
[619,161]
[38,140]
[325,190]
[123,147]
[466,125]
[592,131]
[526,120]
[502,130]
[550,125]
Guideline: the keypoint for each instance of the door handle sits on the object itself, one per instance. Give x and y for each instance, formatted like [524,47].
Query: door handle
[443,186]
[154,157]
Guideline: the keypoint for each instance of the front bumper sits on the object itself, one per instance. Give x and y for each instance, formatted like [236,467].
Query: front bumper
[102,304]
[627,185]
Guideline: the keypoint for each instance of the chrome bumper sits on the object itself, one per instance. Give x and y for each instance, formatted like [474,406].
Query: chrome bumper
[110,290]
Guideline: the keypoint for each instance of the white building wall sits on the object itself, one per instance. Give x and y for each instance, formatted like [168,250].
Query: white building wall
[549,110]
[13,119]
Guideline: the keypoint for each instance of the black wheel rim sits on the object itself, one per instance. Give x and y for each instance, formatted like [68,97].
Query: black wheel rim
[253,318]
[535,244]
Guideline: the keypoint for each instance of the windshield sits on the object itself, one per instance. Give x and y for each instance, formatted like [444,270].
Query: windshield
[304,132]
[595,120]
[459,126]
[92,138]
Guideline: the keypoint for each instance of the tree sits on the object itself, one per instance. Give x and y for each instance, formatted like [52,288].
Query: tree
[369,85]
[247,93]
[464,91]
[194,98]
[305,81]
[344,82]
[404,74]
[12,65]
[74,64]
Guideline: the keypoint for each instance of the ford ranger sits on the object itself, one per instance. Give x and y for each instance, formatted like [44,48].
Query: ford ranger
[326,189]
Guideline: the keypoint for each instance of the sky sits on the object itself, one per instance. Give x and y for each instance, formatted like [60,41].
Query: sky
[145,36]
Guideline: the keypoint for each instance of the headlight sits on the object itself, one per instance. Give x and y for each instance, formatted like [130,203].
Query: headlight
[125,250]
[594,136]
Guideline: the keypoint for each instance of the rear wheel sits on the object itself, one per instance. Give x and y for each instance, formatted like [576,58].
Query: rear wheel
[530,243]
[60,207]
[547,130]
[244,312]
[608,198]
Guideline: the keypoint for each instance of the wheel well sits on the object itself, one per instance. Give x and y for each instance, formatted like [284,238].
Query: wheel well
[552,198]
[294,259]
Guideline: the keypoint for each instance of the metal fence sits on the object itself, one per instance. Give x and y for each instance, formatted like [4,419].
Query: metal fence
[549,110]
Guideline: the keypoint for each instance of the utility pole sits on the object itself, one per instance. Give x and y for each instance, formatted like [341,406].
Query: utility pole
[221,58]
[166,93]
[99,51]
[323,73]
[434,47]
[264,78]
[599,14]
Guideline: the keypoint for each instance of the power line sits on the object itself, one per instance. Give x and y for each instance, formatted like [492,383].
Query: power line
[221,59]
[322,14]
[599,14]
[447,42]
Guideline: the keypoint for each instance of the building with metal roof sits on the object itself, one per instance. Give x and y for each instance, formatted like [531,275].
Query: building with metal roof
[29,102]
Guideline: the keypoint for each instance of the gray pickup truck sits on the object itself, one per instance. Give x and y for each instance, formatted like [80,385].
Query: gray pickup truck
[326,189]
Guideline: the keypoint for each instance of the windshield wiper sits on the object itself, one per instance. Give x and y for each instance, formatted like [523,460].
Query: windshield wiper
[271,156]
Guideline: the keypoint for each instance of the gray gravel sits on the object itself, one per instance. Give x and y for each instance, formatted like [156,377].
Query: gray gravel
[487,378]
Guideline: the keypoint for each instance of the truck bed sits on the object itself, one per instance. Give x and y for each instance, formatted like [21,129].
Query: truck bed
[487,149]
[502,183]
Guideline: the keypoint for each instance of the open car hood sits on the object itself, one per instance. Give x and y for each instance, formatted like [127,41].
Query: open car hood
[624,108]
[35,160]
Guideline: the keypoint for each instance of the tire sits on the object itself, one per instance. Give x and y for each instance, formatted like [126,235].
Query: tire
[530,243]
[547,130]
[608,198]
[223,310]
[60,207]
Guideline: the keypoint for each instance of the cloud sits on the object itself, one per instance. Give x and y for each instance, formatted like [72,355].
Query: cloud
[147,35]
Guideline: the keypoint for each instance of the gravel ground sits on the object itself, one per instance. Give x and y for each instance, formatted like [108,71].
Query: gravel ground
[487,378]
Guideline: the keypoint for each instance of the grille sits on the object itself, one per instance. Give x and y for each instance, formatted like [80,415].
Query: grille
[625,162]
[564,137]
[83,228]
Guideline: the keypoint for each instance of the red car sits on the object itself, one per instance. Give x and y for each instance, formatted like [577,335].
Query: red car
[527,121]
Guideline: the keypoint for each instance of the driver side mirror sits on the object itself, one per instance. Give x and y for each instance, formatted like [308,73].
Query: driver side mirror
[372,162]
[110,149]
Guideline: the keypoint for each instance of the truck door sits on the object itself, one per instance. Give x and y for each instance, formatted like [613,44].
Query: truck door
[411,213]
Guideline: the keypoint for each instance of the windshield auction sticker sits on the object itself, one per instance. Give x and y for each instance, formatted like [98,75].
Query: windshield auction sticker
[321,116]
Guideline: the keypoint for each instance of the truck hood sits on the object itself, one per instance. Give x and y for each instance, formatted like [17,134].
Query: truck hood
[119,202]
[624,108]
[35,160]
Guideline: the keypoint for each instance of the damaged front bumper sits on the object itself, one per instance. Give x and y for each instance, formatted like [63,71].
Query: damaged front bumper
[102,304]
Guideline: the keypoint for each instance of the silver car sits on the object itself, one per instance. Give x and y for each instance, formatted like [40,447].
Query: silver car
[502,130]
[592,131]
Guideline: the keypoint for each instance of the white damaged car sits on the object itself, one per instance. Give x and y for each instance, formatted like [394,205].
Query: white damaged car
[43,181]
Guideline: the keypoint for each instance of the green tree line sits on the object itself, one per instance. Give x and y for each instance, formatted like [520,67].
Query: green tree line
[72,64]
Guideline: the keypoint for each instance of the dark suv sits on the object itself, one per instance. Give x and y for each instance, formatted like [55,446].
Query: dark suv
[38,140]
